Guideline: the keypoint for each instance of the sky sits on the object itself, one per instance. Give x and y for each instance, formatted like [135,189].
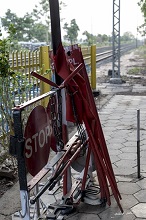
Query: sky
[94,16]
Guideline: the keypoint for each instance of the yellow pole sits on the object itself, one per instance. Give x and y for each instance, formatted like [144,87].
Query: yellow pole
[45,67]
[93,67]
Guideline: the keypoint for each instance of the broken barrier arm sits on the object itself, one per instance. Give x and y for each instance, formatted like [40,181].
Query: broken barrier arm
[64,83]
[60,170]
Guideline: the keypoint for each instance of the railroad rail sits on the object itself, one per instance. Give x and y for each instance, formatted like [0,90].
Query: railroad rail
[30,61]
[108,54]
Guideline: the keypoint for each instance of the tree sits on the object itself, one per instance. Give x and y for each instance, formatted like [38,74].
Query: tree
[11,18]
[39,32]
[7,76]
[127,36]
[26,27]
[72,31]
[89,37]
[142,28]
[99,38]
[35,25]
[105,38]
[42,13]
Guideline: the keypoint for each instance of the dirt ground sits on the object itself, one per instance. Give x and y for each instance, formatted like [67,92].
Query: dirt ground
[132,68]
[133,71]
[8,175]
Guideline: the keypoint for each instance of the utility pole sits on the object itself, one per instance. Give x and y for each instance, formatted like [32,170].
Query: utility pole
[116,78]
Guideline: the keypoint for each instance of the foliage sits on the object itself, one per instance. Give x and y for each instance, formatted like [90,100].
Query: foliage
[27,28]
[5,45]
[134,71]
[9,86]
[100,38]
[142,28]
[72,31]
[42,12]
[105,39]
[36,27]
[31,27]
[127,36]
[89,37]
[5,74]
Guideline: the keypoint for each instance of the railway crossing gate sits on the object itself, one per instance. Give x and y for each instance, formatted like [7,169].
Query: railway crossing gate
[80,170]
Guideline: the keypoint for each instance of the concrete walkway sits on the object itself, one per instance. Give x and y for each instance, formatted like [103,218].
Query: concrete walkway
[119,122]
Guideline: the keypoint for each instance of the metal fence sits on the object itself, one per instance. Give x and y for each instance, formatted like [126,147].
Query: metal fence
[22,87]
[23,63]
[19,87]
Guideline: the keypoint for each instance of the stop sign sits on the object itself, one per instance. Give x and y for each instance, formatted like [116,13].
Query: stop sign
[37,140]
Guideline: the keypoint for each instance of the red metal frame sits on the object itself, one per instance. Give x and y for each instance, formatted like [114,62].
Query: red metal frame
[96,146]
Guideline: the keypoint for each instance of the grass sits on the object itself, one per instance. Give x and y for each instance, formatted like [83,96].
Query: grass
[137,70]
[134,71]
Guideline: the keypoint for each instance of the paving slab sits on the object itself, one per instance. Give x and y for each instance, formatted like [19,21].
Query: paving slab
[141,196]
[129,188]
[139,210]
[114,213]
[129,149]
[124,162]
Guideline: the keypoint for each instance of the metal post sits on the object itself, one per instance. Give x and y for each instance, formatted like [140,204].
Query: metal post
[45,66]
[37,202]
[22,173]
[56,42]
[138,143]
[116,43]
[93,67]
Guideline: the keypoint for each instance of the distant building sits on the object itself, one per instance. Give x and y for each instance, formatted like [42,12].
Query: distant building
[31,45]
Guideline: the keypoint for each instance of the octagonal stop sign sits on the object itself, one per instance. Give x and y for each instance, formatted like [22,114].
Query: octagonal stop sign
[37,140]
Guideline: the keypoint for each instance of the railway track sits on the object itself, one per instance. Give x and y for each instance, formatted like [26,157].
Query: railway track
[106,56]
[102,54]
